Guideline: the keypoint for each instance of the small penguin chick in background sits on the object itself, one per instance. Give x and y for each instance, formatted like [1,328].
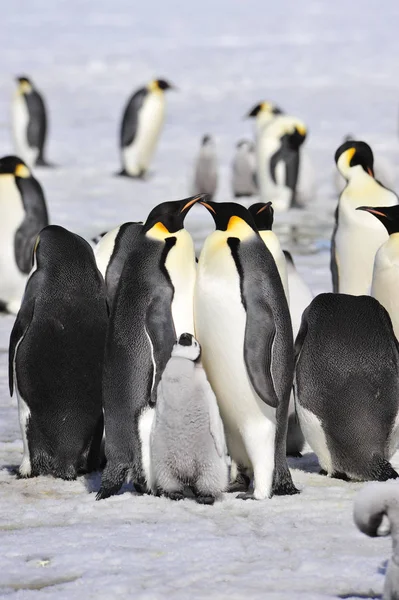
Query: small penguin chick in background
[374,502]
[206,168]
[188,447]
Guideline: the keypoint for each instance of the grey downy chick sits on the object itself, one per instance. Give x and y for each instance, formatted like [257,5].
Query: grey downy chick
[206,168]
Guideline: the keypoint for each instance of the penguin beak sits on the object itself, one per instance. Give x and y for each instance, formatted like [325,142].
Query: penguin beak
[265,207]
[374,211]
[208,205]
[189,202]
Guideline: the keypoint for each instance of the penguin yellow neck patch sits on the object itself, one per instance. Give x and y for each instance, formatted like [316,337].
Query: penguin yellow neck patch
[154,87]
[237,227]
[22,171]
[158,231]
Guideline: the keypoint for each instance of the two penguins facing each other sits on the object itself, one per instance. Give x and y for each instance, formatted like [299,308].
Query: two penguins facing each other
[158,295]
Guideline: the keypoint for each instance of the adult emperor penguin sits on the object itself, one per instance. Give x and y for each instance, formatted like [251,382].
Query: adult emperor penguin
[141,127]
[205,180]
[347,385]
[385,284]
[56,358]
[374,502]
[23,214]
[244,170]
[243,324]
[357,235]
[152,307]
[188,447]
[265,113]
[29,123]
[263,215]
[300,293]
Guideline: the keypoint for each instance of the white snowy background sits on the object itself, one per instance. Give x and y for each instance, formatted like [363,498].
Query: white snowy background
[334,64]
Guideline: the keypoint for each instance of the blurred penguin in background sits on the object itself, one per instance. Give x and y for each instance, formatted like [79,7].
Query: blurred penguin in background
[29,123]
[206,169]
[357,235]
[265,113]
[374,502]
[141,127]
[244,170]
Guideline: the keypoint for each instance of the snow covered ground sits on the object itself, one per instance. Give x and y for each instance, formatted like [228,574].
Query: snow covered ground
[332,63]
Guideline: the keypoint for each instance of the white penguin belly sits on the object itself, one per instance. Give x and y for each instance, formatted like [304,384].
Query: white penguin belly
[270,190]
[385,286]
[20,122]
[272,243]
[137,156]
[12,281]
[314,434]
[180,264]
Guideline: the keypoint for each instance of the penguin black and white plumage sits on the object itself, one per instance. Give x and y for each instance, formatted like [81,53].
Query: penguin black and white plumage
[23,214]
[263,215]
[29,123]
[373,504]
[347,385]
[111,252]
[385,284]
[243,324]
[205,180]
[141,127]
[357,235]
[188,447]
[56,358]
[384,172]
[243,180]
[265,114]
[152,307]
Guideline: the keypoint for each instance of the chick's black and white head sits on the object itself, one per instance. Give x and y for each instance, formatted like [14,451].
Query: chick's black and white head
[187,347]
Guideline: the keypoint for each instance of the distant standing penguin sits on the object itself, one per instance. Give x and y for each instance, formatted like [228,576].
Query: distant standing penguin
[141,127]
[385,284]
[243,324]
[347,385]
[188,447]
[23,214]
[244,170]
[263,215]
[152,307]
[374,502]
[206,169]
[357,235]
[29,123]
[56,358]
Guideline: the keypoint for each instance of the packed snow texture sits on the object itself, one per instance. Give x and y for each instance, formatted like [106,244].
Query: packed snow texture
[334,64]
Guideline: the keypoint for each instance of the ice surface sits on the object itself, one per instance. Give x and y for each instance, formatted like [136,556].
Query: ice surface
[334,64]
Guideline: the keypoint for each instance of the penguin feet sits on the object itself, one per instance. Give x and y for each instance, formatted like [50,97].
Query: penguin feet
[205,500]
[105,493]
[240,484]
[382,470]
[174,495]
[335,475]
[246,496]
[294,454]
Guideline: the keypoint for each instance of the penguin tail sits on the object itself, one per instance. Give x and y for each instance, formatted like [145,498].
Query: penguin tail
[382,470]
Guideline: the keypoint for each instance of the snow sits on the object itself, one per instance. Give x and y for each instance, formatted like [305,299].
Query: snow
[334,65]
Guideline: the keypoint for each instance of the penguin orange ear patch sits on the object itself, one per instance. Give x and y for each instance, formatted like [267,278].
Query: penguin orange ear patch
[350,154]
[22,171]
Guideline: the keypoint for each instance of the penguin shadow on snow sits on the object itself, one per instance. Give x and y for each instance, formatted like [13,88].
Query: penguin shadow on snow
[308,463]
[92,482]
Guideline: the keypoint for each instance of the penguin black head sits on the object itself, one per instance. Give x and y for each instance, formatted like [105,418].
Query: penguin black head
[161,84]
[23,79]
[230,217]
[352,154]
[187,347]
[56,247]
[388,215]
[12,165]
[207,139]
[168,218]
[266,108]
[263,215]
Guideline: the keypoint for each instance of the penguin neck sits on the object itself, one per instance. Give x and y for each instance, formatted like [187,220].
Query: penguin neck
[388,253]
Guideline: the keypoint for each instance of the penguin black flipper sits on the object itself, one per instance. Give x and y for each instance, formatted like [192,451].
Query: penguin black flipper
[130,118]
[260,331]
[37,127]
[36,218]
[333,257]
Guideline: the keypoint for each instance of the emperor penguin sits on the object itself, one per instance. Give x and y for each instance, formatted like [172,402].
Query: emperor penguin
[243,324]
[188,447]
[141,127]
[347,386]
[385,283]
[152,307]
[205,179]
[263,215]
[357,235]
[373,504]
[56,358]
[23,214]
[243,180]
[29,123]
[384,172]
[265,113]
[300,293]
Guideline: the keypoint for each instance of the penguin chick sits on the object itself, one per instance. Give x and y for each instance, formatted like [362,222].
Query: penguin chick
[374,502]
[243,169]
[385,284]
[187,438]
[206,169]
